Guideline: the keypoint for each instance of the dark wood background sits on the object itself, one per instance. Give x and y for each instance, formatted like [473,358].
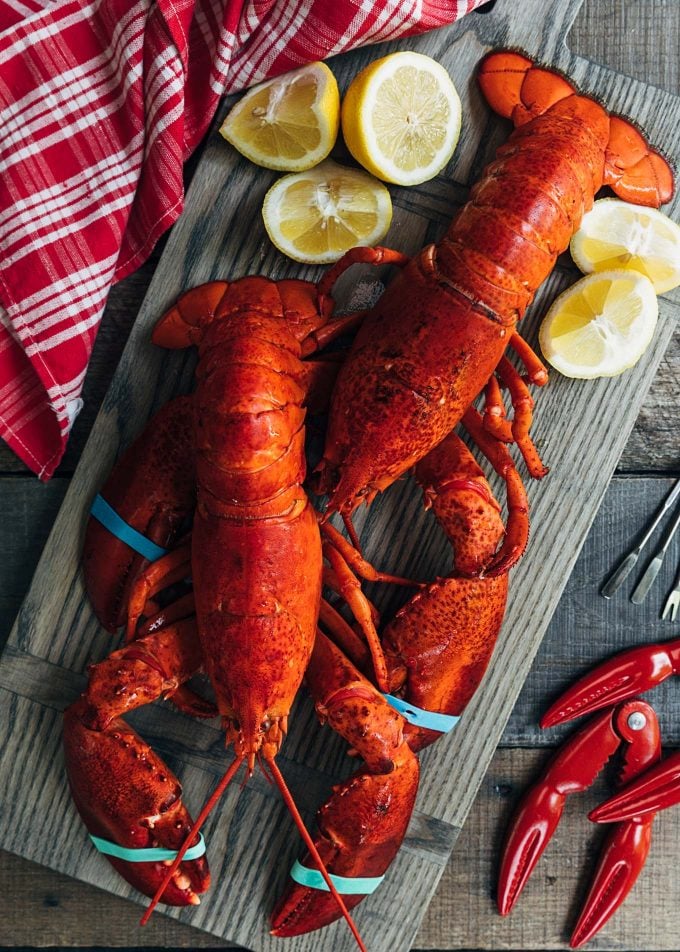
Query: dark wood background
[639,37]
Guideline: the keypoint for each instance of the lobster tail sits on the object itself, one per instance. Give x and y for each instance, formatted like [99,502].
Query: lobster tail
[518,90]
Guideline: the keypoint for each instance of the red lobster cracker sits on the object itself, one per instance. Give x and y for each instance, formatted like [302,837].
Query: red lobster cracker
[632,725]
[438,334]
[628,673]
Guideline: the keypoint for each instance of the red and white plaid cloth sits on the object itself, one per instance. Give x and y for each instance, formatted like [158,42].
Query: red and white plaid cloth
[101,102]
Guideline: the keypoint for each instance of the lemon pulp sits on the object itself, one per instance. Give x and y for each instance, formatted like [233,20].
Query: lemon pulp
[289,123]
[316,216]
[617,235]
[601,326]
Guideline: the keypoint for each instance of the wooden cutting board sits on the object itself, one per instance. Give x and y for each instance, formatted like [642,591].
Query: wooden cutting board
[580,427]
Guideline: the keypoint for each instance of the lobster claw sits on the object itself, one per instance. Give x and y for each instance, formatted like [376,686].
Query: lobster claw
[656,789]
[572,770]
[619,678]
[126,794]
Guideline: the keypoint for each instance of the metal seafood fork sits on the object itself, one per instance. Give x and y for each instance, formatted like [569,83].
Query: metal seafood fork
[626,566]
[670,609]
[652,571]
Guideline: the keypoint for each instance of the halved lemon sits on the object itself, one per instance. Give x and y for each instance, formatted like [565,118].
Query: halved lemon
[616,234]
[401,118]
[316,216]
[601,325]
[289,123]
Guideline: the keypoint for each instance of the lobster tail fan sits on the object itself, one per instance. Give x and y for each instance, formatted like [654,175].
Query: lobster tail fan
[309,843]
[195,830]
[183,324]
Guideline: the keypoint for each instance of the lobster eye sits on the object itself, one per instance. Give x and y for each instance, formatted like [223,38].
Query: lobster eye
[265,725]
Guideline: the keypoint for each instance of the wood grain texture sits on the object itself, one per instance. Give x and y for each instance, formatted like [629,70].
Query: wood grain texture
[462,915]
[481,914]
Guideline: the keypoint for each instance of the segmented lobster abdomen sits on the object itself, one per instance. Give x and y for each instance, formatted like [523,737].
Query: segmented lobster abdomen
[524,210]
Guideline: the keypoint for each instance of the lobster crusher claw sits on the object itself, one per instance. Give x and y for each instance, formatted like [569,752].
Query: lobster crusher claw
[631,726]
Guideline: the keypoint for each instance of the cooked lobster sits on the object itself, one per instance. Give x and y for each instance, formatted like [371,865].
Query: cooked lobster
[422,355]
[438,334]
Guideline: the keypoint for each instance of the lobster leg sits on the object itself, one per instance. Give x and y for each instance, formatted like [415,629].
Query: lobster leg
[536,370]
[166,571]
[362,825]
[495,417]
[123,791]
[517,528]
[523,404]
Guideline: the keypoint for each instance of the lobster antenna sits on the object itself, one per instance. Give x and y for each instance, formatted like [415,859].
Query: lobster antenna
[191,836]
[309,843]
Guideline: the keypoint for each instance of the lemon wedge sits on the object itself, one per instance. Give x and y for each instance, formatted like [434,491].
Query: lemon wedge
[316,216]
[616,234]
[601,325]
[401,118]
[289,123]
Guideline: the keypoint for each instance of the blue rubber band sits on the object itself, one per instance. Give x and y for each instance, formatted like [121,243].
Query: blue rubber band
[117,526]
[442,723]
[355,886]
[149,854]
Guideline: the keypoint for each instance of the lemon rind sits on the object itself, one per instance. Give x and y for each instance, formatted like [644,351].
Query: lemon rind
[645,290]
[603,205]
[327,88]
[366,150]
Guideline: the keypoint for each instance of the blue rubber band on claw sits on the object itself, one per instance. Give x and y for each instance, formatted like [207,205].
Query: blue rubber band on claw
[346,886]
[148,854]
[430,720]
[117,526]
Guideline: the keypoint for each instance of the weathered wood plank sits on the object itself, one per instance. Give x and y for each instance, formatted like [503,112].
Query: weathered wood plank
[180,371]
[587,628]
[462,915]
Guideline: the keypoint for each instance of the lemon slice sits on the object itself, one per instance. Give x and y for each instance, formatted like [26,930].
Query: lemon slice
[289,123]
[316,216]
[601,325]
[616,234]
[401,118]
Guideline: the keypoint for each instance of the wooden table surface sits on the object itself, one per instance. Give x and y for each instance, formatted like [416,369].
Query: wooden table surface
[41,908]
